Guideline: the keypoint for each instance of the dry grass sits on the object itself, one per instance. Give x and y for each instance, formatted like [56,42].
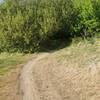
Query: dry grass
[10,66]
[72,73]
[81,71]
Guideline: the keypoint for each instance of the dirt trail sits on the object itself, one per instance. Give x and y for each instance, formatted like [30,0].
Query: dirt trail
[45,78]
[27,87]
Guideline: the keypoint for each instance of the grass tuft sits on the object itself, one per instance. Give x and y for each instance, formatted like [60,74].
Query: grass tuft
[9,61]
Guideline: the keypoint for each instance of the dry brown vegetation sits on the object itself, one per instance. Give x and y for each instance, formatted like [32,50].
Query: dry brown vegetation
[9,85]
[72,73]
[9,75]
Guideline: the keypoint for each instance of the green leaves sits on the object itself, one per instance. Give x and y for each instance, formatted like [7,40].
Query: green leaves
[24,25]
[87,23]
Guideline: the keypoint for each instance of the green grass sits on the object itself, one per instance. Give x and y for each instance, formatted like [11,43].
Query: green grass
[9,61]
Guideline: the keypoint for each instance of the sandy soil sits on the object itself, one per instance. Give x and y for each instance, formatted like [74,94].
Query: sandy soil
[45,78]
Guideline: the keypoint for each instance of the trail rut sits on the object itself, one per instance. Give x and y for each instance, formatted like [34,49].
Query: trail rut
[45,78]
[27,86]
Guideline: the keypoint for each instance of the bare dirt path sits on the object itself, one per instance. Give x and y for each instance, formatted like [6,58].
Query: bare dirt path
[46,78]
[27,87]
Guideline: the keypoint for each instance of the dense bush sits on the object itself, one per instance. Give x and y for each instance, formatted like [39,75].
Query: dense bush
[25,24]
[87,23]
[96,10]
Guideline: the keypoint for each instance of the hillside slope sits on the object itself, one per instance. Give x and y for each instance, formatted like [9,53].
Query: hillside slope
[72,73]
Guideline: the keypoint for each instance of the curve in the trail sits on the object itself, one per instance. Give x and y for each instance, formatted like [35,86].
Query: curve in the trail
[46,78]
[37,83]
[27,85]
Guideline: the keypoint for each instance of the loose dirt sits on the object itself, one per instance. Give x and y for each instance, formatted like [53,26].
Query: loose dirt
[45,78]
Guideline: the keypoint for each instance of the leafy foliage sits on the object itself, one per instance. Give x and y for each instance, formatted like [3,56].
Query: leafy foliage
[87,23]
[25,24]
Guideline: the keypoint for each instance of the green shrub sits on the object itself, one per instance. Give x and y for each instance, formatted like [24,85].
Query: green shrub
[87,23]
[25,24]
